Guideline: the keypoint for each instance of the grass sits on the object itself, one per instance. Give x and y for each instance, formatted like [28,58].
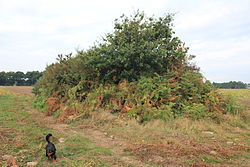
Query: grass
[179,142]
[22,137]
[211,159]
[175,141]
[237,93]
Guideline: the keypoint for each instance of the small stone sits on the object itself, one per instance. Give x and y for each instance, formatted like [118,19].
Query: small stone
[213,153]
[112,137]
[71,117]
[158,159]
[208,132]
[230,142]
[61,140]
[105,134]
[32,163]
[7,157]
[23,151]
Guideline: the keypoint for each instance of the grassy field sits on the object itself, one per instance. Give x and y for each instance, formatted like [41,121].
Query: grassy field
[242,95]
[237,93]
[23,137]
[106,140]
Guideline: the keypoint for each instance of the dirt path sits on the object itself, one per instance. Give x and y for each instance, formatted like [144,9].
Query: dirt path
[114,144]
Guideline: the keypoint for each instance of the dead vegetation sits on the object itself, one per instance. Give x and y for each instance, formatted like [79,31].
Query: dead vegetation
[22,90]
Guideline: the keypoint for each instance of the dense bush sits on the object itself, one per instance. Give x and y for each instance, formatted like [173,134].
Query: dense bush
[140,69]
[138,46]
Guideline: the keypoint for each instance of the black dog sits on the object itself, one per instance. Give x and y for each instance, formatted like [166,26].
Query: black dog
[50,148]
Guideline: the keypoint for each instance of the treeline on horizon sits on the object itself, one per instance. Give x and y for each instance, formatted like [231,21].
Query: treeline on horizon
[19,78]
[230,85]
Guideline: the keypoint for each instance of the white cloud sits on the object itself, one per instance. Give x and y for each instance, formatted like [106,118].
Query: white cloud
[218,32]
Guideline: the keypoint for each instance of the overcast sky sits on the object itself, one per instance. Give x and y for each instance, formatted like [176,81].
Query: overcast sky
[34,32]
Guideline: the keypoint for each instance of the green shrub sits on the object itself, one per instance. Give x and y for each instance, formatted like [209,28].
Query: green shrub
[196,111]
[40,103]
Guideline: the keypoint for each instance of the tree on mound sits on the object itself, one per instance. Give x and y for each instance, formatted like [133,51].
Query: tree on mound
[138,46]
[140,68]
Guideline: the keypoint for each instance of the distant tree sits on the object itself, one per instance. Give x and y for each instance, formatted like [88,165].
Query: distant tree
[10,78]
[3,78]
[19,78]
[32,77]
[230,85]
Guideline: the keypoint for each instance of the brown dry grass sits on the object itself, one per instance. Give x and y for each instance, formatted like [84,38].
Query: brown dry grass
[23,90]
[53,105]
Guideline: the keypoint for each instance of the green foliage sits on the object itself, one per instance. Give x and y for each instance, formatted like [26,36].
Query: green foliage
[159,97]
[61,76]
[211,159]
[80,91]
[40,103]
[138,46]
[196,111]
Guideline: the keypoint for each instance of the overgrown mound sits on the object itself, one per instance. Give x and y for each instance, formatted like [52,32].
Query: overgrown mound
[139,70]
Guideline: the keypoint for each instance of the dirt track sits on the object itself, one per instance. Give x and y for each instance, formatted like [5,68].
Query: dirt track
[116,145]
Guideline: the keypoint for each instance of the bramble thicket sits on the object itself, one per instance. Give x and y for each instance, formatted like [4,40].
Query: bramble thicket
[140,70]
